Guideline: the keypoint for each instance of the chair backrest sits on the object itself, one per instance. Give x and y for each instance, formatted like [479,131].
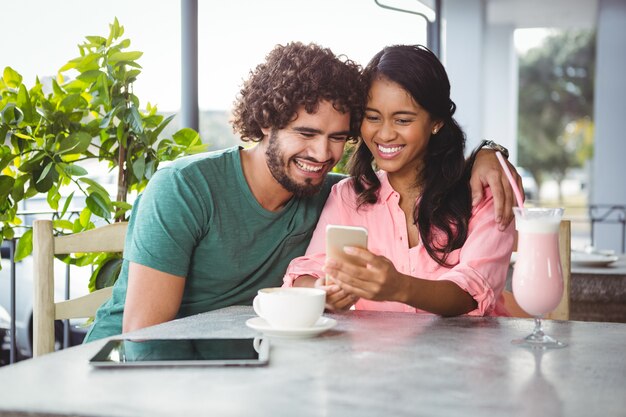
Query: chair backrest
[562,310]
[109,238]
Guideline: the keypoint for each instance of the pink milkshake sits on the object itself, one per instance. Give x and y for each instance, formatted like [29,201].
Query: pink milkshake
[537,276]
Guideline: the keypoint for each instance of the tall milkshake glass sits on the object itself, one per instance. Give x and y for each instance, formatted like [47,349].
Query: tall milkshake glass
[537,275]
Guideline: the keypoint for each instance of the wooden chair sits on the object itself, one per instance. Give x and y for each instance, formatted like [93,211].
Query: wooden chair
[109,238]
[562,310]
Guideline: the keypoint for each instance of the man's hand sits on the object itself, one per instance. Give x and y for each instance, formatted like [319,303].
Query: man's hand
[488,172]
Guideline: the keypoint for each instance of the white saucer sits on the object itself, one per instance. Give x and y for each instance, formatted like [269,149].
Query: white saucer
[259,324]
[592,259]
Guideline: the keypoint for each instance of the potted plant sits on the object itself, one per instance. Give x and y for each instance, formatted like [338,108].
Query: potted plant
[88,113]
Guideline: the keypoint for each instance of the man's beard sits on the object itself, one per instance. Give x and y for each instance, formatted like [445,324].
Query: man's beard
[276,164]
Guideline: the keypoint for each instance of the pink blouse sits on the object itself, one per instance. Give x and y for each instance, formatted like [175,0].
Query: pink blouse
[483,260]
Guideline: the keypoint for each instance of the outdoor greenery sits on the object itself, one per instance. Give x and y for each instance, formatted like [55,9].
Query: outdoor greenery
[88,112]
[556,105]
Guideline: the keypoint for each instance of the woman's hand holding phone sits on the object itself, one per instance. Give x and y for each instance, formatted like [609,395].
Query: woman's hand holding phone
[337,299]
[372,277]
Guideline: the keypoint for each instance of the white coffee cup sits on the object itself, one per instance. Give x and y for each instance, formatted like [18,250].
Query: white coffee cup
[290,308]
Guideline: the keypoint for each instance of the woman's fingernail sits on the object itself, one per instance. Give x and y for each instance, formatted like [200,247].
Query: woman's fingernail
[349,250]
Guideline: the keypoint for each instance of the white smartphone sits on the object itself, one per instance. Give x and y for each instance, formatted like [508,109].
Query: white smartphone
[337,237]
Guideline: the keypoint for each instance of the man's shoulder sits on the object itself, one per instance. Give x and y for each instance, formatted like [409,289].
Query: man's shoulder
[218,159]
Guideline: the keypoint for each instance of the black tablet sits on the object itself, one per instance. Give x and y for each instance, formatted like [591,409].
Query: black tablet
[182,352]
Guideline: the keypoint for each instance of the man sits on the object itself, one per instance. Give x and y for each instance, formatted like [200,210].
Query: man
[212,229]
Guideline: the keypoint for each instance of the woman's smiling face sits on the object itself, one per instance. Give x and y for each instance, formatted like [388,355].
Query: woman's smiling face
[395,128]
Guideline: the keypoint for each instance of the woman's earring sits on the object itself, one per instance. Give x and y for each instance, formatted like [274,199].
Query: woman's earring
[435,130]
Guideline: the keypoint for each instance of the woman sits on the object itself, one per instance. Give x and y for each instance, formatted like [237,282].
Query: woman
[429,250]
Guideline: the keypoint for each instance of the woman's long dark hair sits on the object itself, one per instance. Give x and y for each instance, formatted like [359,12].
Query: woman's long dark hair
[445,207]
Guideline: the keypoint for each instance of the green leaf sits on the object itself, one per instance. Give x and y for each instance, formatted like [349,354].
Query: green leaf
[107,273]
[124,56]
[83,218]
[23,102]
[73,169]
[66,205]
[99,189]
[31,191]
[4,131]
[131,64]
[22,136]
[152,121]
[139,167]
[122,136]
[12,115]
[73,101]
[17,191]
[53,198]
[6,185]
[82,63]
[90,76]
[156,132]
[56,88]
[106,120]
[186,136]
[103,88]
[45,172]
[77,227]
[45,182]
[77,87]
[33,163]
[98,206]
[77,142]
[83,260]
[11,77]
[122,205]
[96,40]
[8,232]
[150,169]
[24,245]
[5,161]
[133,118]
[63,224]
[71,64]
[131,75]
[116,29]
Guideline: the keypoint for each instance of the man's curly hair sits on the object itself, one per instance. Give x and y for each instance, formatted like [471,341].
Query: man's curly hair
[295,75]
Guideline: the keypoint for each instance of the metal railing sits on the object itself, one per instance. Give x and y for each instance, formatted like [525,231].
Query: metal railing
[608,213]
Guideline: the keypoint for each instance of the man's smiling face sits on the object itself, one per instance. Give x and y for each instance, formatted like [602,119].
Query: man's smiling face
[301,155]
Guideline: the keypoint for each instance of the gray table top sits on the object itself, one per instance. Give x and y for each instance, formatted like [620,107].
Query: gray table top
[370,364]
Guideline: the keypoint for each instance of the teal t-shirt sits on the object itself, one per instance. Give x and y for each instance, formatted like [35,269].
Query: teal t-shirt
[198,219]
